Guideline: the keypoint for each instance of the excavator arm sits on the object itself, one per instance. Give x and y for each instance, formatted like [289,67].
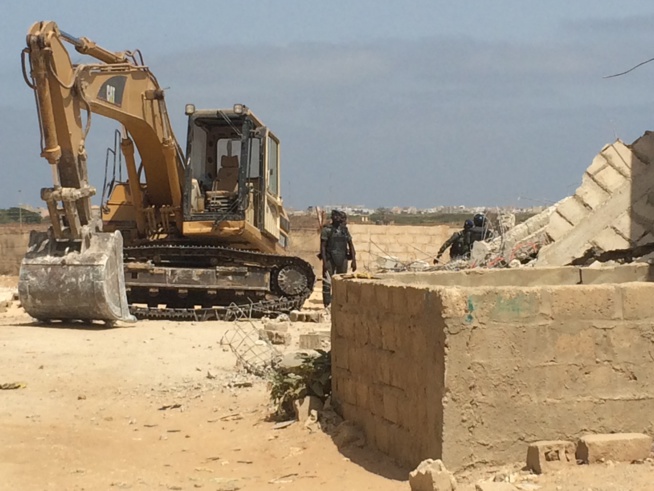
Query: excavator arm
[117,88]
[76,271]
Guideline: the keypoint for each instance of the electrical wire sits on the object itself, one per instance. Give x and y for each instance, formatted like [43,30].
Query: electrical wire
[630,70]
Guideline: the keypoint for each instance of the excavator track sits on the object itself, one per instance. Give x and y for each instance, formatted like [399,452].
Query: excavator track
[270,308]
[187,282]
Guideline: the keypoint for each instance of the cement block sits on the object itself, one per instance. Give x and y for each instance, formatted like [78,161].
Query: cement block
[277,326]
[391,402]
[610,240]
[573,210]
[339,353]
[495,486]
[315,340]
[644,147]
[558,227]
[647,239]
[617,447]
[615,274]
[637,300]
[584,302]
[628,227]
[598,163]
[544,456]
[644,208]
[591,193]
[610,179]
[623,159]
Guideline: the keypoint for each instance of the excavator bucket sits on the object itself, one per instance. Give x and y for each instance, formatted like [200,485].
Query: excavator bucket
[74,281]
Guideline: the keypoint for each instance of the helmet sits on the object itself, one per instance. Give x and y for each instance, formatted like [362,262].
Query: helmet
[479,220]
[338,214]
[468,224]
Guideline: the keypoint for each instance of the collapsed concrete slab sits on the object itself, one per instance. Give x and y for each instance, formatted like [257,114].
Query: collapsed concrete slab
[613,209]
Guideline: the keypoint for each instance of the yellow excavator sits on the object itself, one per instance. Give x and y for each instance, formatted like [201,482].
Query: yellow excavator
[190,233]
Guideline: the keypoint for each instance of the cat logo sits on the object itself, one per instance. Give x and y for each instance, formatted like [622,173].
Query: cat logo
[112,90]
[111,94]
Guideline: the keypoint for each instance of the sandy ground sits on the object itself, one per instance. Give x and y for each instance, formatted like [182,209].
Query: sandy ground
[91,417]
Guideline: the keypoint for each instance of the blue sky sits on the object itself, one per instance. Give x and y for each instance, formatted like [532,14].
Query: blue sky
[413,103]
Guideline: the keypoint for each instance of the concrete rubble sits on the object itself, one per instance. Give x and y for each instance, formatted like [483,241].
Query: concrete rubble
[431,475]
[546,456]
[609,218]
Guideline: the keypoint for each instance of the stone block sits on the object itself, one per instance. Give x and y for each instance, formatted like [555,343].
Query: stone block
[545,456]
[610,240]
[431,475]
[573,210]
[617,447]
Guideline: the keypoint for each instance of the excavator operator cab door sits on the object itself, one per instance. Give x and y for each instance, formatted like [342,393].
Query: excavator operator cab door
[272,204]
[218,148]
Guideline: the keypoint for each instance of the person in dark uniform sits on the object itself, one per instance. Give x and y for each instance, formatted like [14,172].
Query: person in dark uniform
[480,230]
[336,248]
[458,244]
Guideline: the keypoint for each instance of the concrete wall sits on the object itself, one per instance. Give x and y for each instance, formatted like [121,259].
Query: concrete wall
[613,209]
[407,243]
[13,244]
[472,374]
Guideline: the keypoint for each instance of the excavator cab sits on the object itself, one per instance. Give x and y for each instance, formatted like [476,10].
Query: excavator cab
[232,178]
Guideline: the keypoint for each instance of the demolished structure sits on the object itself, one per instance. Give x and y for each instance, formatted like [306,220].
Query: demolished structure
[609,218]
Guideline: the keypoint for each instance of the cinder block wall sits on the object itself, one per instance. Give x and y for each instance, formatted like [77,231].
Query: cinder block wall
[473,374]
[407,243]
[388,365]
[13,245]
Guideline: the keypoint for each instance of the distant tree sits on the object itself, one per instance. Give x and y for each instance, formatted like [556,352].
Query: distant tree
[382,216]
[16,215]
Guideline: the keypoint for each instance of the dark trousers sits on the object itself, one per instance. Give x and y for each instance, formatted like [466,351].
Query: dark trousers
[332,269]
